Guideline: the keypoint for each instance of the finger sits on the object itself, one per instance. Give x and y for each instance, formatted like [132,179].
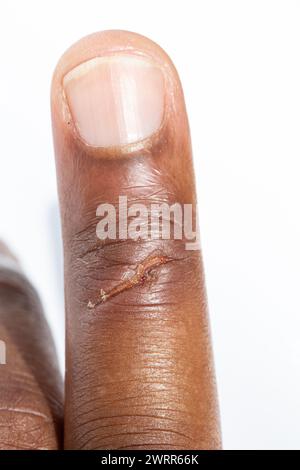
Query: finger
[139,363]
[30,383]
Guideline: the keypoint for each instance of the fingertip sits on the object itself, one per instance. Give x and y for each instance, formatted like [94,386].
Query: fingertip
[117,90]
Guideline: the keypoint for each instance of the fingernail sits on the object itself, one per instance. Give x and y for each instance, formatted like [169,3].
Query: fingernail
[116,100]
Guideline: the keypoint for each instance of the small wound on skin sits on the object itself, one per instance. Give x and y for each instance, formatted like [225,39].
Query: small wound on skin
[142,274]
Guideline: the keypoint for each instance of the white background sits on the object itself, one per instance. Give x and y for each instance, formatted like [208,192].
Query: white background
[239,64]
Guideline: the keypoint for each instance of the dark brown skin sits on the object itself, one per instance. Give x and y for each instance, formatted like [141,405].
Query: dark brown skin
[31,398]
[139,367]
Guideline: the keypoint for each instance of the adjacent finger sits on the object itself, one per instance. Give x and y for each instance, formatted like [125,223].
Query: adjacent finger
[139,362]
[30,383]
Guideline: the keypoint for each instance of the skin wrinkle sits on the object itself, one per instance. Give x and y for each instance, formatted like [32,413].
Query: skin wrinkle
[126,425]
[140,404]
[132,417]
[111,244]
[147,431]
[149,446]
